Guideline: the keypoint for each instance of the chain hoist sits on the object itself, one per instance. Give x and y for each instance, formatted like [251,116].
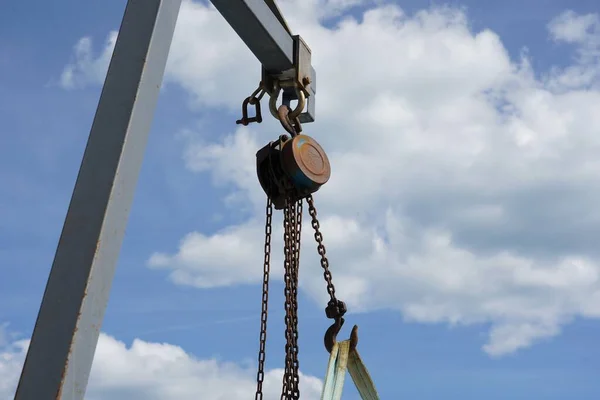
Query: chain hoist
[290,169]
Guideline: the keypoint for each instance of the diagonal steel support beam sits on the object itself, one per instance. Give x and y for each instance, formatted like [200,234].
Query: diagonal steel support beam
[66,332]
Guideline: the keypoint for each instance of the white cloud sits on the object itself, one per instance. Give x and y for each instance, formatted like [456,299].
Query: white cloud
[12,355]
[584,31]
[86,68]
[228,257]
[574,28]
[463,188]
[157,371]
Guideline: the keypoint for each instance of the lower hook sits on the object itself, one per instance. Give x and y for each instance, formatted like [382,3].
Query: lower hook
[331,335]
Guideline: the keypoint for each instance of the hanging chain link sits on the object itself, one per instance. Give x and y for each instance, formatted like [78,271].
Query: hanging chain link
[292,234]
[335,308]
[295,231]
[291,376]
[260,376]
[286,390]
[298,236]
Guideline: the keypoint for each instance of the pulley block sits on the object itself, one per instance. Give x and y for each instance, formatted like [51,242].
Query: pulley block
[292,168]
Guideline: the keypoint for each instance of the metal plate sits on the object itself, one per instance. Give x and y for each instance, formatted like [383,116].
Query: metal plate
[306,163]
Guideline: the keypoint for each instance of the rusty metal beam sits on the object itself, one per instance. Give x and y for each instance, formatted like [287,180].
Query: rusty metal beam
[66,332]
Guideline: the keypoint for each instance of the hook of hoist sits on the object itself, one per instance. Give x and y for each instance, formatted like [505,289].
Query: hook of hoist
[292,127]
[336,309]
[332,332]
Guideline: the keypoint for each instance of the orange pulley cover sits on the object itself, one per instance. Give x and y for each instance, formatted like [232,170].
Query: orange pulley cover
[305,163]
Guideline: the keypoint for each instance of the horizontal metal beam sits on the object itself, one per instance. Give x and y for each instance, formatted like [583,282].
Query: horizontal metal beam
[64,340]
[261,31]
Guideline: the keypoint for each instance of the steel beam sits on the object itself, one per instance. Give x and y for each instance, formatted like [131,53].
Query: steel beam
[261,31]
[66,332]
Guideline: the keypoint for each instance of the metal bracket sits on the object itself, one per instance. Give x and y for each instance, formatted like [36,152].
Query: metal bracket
[284,58]
[301,76]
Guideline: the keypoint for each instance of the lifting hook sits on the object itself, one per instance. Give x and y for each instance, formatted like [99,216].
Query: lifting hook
[293,127]
[334,329]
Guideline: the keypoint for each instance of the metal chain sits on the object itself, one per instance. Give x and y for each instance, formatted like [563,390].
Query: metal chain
[286,389]
[321,248]
[298,231]
[291,377]
[296,222]
[260,376]
[292,224]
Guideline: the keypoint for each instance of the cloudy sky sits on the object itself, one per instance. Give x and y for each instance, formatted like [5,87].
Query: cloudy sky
[461,217]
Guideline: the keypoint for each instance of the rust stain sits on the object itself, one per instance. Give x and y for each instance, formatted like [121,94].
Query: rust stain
[66,367]
[97,248]
[62,379]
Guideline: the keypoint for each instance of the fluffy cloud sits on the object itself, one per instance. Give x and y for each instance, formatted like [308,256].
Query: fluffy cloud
[86,68]
[464,184]
[156,371]
[583,31]
[12,355]
[573,28]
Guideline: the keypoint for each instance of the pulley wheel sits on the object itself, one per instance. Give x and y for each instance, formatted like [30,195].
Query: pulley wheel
[306,163]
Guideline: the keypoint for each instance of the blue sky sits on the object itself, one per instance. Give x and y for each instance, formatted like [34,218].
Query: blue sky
[428,341]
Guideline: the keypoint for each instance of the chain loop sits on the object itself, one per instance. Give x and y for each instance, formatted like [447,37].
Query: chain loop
[291,377]
[286,388]
[292,234]
[296,223]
